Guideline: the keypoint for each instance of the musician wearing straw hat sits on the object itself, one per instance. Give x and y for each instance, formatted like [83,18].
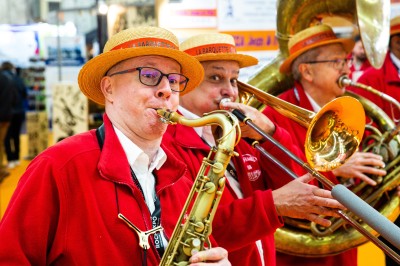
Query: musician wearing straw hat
[256,210]
[317,58]
[92,198]
[387,78]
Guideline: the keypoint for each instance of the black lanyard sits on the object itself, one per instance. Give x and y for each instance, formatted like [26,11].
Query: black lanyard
[155,216]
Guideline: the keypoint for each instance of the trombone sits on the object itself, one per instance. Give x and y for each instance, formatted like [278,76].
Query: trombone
[325,128]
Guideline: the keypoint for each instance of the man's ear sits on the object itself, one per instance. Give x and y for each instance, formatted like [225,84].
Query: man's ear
[306,72]
[106,88]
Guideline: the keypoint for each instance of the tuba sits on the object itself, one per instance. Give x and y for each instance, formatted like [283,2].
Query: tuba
[296,15]
[303,238]
[193,229]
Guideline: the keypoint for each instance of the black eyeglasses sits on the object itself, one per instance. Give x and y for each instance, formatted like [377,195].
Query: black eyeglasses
[337,64]
[152,77]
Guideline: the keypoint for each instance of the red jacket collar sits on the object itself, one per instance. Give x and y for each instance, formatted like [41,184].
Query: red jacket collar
[114,165]
[301,97]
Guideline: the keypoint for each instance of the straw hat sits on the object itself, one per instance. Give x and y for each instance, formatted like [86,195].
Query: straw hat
[395,26]
[216,46]
[310,38]
[133,42]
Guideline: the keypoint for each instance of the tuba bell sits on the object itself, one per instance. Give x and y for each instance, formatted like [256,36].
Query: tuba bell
[299,237]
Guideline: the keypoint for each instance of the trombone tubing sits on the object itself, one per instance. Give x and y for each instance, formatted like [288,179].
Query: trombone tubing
[363,210]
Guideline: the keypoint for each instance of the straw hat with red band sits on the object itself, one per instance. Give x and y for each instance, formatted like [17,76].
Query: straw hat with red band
[216,46]
[133,42]
[395,26]
[310,38]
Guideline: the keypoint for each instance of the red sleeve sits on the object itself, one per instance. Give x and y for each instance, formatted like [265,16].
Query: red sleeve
[236,217]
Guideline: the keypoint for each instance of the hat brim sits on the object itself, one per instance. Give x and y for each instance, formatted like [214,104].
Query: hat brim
[243,60]
[286,65]
[93,71]
[394,32]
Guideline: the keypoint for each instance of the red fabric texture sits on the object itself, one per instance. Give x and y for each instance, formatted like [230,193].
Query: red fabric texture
[386,80]
[64,210]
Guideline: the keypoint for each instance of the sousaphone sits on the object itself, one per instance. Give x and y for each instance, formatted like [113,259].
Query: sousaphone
[299,237]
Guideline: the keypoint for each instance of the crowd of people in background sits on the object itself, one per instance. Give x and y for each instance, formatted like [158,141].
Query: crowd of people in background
[13,94]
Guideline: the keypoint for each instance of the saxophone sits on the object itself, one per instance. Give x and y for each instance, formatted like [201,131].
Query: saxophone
[193,228]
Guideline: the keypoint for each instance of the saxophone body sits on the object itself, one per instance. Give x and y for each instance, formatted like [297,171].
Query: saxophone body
[192,231]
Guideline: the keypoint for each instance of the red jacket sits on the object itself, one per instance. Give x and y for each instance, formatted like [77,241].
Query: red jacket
[355,74]
[386,80]
[239,222]
[298,133]
[64,210]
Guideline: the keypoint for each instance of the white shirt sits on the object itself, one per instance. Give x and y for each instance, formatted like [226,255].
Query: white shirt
[314,104]
[396,61]
[139,161]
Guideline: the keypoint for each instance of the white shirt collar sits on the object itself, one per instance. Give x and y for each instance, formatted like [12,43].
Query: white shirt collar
[314,104]
[189,115]
[396,61]
[204,132]
[137,159]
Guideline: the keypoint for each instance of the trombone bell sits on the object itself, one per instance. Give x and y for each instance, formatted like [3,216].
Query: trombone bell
[333,134]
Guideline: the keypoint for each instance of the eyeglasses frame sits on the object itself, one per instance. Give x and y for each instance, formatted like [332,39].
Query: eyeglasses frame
[344,60]
[159,80]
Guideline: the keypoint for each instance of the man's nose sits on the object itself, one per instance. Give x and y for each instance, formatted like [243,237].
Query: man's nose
[229,90]
[164,88]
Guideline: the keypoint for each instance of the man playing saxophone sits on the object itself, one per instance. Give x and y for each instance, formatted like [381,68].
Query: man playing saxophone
[103,196]
[317,58]
[249,212]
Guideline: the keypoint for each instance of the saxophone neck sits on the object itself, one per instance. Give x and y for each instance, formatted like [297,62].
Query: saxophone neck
[225,120]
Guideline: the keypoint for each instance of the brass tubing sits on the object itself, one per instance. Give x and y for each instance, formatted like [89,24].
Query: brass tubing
[331,186]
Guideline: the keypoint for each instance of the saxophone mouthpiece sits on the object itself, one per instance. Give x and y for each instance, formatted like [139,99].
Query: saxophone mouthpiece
[167,116]
[221,103]
[344,81]
[164,114]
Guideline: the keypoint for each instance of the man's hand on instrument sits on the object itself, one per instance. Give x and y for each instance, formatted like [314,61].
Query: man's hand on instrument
[361,164]
[212,256]
[297,199]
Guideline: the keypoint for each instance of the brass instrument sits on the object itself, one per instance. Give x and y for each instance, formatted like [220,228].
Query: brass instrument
[345,81]
[304,239]
[193,229]
[345,132]
[293,16]
[296,15]
[371,217]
